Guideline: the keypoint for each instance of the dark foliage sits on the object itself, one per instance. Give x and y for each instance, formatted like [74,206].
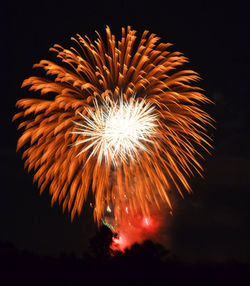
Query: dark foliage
[146,264]
[100,244]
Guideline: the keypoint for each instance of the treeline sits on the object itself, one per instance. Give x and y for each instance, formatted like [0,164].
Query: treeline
[146,264]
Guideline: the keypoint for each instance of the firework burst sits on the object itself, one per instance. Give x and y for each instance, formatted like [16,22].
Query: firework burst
[123,123]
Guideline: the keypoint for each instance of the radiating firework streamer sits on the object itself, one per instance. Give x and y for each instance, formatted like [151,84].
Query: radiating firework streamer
[123,123]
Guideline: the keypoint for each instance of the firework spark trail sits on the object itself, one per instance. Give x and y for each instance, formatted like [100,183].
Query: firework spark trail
[123,122]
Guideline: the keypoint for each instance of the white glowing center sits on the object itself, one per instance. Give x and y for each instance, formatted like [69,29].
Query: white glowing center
[117,130]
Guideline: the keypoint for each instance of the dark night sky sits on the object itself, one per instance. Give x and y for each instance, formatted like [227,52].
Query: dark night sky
[211,224]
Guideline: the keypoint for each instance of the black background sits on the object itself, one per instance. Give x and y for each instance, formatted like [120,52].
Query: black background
[213,224]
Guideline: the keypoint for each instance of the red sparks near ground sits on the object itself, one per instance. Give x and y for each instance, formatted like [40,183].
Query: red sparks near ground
[119,243]
[135,230]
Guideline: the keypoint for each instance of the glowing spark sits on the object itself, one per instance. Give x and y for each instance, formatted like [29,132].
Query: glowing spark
[146,222]
[117,239]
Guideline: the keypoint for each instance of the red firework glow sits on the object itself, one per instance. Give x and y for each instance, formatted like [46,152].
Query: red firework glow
[135,230]
[119,243]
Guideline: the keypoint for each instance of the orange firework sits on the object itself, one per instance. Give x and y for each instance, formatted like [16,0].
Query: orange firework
[123,123]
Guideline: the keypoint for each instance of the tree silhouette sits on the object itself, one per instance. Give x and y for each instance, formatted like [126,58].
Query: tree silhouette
[148,250]
[99,245]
